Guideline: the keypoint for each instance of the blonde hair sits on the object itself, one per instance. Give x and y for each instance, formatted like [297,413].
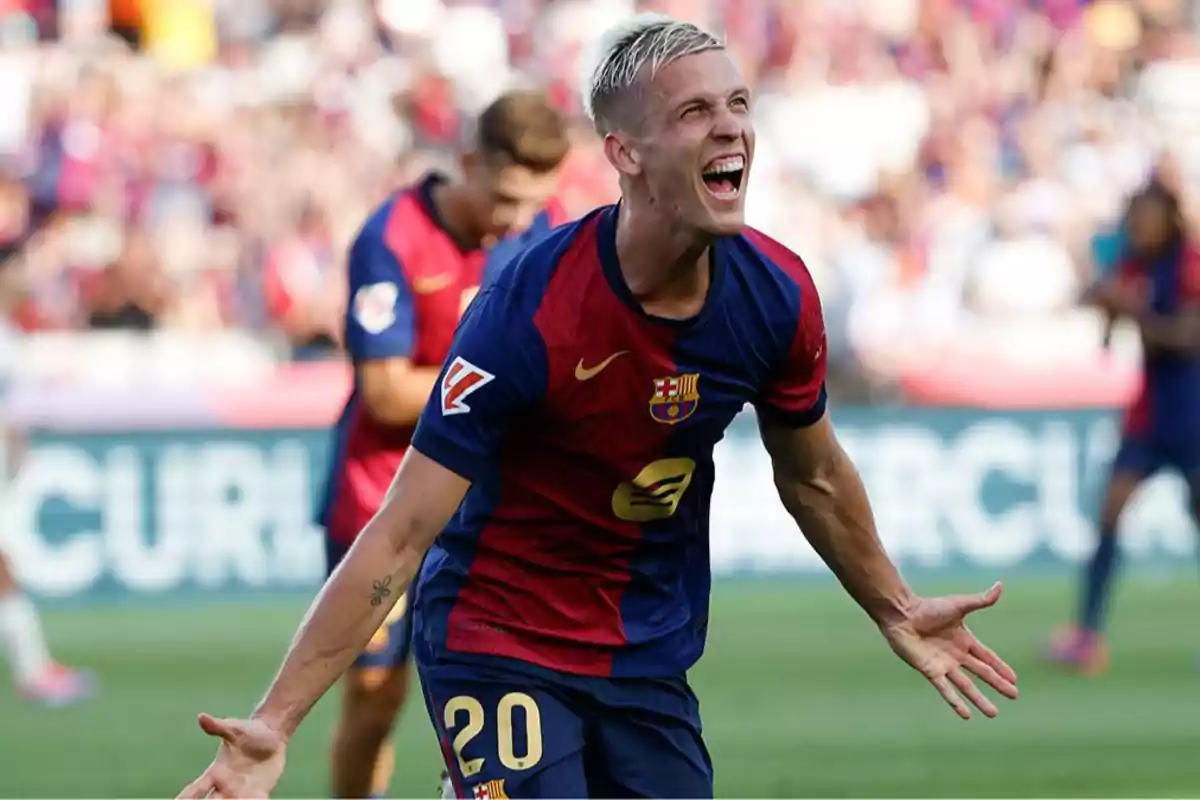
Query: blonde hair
[623,52]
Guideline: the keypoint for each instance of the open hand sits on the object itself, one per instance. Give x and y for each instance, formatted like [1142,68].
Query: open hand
[249,760]
[935,642]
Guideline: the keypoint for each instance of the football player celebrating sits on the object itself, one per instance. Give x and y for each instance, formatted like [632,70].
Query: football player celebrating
[555,499]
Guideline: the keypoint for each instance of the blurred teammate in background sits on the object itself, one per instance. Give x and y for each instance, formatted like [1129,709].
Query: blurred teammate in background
[413,268]
[562,604]
[37,676]
[1156,285]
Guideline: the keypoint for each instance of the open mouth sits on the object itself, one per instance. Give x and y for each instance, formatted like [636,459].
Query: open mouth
[723,176]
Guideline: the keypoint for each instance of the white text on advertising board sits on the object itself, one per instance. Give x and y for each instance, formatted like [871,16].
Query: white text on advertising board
[222,514]
[154,514]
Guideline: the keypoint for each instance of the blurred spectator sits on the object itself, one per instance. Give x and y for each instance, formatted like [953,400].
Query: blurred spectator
[951,169]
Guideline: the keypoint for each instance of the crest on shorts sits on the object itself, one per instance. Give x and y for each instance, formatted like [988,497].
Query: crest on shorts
[491,790]
[675,398]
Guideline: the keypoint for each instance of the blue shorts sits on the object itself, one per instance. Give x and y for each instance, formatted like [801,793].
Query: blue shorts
[1144,456]
[510,729]
[389,648]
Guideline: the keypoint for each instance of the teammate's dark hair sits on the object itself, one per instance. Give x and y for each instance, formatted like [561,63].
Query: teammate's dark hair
[1156,191]
[523,128]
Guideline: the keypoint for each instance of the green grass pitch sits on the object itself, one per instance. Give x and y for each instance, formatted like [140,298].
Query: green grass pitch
[800,697]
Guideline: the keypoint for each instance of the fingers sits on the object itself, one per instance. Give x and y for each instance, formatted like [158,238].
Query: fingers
[991,677]
[951,696]
[954,686]
[972,693]
[989,657]
[198,788]
[227,729]
[216,783]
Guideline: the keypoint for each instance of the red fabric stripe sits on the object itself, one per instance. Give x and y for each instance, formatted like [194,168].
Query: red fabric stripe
[1190,279]
[552,565]
[1137,416]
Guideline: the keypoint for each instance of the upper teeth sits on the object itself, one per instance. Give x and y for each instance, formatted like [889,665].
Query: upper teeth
[732,164]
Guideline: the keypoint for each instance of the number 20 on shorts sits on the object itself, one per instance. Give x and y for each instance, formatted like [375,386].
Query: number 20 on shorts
[505,744]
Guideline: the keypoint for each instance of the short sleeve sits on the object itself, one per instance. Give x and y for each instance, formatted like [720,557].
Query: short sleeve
[380,321]
[495,370]
[795,396]
[1190,283]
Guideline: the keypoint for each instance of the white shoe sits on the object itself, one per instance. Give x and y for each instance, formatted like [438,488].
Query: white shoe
[447,787]
[59,686]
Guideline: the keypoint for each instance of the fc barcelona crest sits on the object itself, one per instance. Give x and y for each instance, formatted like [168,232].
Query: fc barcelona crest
[675,398]
[491,790]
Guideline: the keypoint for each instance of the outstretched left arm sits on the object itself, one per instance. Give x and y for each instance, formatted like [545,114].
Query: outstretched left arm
[821,489]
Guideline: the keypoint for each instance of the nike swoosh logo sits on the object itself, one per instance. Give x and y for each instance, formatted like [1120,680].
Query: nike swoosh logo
[432,283]
[583,373]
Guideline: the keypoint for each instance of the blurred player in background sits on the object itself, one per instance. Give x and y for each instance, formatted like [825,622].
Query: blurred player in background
[1156,285]
[415,265]
[38,678]
[564,468]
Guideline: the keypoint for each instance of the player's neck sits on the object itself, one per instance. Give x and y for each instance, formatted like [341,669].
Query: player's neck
[452,210]
[665,266]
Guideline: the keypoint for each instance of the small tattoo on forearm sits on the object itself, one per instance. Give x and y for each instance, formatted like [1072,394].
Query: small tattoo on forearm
[381,590]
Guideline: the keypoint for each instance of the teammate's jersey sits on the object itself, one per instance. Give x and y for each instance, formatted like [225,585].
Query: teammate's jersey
[1168,405]
[587,428]
[409,283]
[506,251]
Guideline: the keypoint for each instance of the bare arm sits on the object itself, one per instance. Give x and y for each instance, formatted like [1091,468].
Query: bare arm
[821,489]
[1179,332]
[394,390]
[1091,297]
[353,604]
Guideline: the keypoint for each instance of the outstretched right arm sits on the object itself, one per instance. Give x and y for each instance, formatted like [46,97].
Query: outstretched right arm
[362,590]
[485,381]
[348,610]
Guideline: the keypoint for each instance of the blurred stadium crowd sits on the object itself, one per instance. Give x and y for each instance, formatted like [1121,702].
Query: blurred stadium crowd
[948,168]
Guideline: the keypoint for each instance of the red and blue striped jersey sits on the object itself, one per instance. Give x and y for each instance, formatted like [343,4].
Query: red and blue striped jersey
[587,429]
[1167,406]
[409,283]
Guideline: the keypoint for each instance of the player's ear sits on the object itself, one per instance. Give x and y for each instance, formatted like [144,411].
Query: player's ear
[622,153]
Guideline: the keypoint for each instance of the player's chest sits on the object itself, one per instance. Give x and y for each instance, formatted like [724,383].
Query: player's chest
[1164,289]
[648,390]
[441,291]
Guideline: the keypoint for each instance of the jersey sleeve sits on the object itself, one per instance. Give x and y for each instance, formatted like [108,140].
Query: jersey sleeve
[380,320]
[496,369]
[795,395]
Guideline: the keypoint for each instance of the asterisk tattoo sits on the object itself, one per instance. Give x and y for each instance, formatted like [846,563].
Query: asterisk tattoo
[380,590]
